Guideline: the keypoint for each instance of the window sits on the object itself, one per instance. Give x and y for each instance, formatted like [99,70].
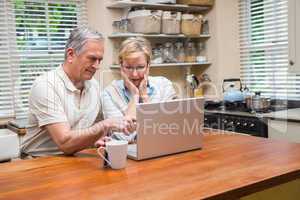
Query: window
[264,49]
[32,40]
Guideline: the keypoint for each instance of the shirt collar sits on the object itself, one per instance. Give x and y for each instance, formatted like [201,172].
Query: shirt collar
[68,83]
[126,93]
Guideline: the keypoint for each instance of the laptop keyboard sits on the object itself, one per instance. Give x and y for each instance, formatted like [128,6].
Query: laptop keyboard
[132,150]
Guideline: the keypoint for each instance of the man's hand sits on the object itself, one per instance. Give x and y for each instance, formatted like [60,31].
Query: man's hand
[124,124]
[101,141]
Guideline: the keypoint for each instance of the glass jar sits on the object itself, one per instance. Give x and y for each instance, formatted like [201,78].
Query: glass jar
[190,52]
[124,26]
[205,27]
[157,56]
[201,58]
[168,53]
[179,52]
[116,26]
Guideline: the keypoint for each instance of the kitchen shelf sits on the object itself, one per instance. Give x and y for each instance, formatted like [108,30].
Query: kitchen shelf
[177,7]
[125,35]
[170,65]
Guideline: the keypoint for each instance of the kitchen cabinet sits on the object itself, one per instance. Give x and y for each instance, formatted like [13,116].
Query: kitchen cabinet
[284,130]
[294,35]
[124,6]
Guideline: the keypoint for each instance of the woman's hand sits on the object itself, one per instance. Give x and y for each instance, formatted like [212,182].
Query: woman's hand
[134,91]
[143,89]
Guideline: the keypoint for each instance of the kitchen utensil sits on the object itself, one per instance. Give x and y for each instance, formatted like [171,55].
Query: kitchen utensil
[212,104]
[257,102]
[117,153]
[192,80]
[232,94]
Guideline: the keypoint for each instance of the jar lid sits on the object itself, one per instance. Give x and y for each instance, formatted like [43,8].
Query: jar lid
[171,15]
[168,44]
[144,13]
[179,44]
[190,44]
[191,16]
[188,16]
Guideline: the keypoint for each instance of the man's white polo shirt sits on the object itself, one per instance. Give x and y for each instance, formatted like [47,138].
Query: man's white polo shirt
[54,99]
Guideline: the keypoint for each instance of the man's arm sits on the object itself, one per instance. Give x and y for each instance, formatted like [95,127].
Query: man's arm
[71,141]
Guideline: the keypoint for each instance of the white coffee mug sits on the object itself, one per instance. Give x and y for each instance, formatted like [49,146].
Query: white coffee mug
[117,153]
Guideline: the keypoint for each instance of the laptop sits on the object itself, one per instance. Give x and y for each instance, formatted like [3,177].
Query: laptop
[166,128]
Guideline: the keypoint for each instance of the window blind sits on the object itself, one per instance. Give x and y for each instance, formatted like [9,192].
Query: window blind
[6,76]
[263,28]
[38,30]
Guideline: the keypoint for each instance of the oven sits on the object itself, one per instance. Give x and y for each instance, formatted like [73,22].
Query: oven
[252,125]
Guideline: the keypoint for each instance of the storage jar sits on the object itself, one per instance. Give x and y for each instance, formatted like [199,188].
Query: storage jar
[171,22]
[145,21]
[191,24]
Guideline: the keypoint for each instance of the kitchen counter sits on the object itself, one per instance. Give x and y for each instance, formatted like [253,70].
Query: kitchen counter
[228,167]
[292,115]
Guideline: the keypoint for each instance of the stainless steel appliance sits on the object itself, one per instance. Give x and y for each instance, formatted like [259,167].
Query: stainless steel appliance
[236,121]
[236,117]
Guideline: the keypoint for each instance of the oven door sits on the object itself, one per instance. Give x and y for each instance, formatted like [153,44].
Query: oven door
[241,124]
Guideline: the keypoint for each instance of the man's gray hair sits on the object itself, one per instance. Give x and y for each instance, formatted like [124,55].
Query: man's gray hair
[79,37]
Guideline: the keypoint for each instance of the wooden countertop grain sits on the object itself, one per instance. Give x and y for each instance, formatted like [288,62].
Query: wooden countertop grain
[228,167]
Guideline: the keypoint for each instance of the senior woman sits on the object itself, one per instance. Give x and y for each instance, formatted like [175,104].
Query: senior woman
[121,96]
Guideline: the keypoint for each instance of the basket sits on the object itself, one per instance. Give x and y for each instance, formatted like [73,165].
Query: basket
[191,24]
[145,21]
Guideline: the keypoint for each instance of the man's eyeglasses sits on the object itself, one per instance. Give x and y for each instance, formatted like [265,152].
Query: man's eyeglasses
[132,69]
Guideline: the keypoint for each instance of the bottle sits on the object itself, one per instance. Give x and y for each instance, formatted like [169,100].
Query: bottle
[198,92]
[179,52]
[168,53]
[116,26]
[205,27]
[201,58]
[156,56]
[190,52]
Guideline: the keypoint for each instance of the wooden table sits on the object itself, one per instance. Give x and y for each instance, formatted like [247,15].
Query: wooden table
[228,167]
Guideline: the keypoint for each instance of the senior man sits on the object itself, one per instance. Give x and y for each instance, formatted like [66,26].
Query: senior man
[64,104]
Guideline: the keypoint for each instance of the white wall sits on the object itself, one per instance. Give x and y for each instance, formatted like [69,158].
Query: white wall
[223,47]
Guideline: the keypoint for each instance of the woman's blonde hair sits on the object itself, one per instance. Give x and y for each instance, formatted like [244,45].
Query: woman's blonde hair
[134,45]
